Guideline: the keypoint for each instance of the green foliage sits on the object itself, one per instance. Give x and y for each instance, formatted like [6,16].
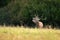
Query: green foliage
[4,2]
[22,11]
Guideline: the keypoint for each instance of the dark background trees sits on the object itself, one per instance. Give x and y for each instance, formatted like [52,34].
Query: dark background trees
[17,12]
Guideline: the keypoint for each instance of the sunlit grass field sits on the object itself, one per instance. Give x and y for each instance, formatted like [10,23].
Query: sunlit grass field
[20,33]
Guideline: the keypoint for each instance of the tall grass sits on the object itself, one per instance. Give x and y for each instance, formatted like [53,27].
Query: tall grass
[20,33]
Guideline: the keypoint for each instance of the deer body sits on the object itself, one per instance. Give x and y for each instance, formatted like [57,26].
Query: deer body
[40,24]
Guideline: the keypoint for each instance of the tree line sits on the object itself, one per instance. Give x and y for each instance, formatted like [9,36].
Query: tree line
[21,12]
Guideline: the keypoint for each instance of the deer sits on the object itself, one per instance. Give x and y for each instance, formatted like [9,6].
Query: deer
[38,23]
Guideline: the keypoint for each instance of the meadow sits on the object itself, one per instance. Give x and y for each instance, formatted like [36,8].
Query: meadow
[20,33]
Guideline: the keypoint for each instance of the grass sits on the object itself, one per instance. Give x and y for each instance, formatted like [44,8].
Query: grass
[17,33]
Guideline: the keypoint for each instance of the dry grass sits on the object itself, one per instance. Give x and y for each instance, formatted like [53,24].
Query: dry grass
[17,33]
